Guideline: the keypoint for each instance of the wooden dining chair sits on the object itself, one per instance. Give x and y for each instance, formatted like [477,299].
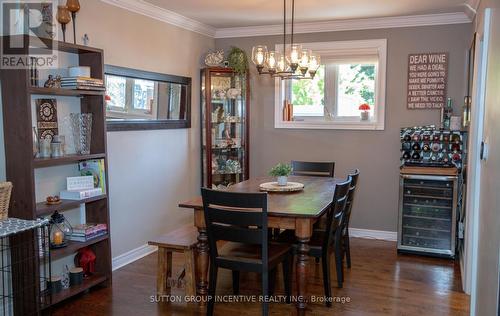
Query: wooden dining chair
[318,169]
[345,221]
[323,243]
[240,219]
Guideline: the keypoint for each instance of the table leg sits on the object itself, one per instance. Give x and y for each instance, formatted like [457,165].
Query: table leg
[301,273]
[202,264]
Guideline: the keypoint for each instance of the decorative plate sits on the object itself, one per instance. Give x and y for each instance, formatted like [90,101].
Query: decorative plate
[274,187]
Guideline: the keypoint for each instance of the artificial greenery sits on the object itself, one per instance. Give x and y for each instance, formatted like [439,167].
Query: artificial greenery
[281,170]
[238,60]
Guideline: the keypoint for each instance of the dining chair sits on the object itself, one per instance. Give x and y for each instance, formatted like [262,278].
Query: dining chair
[240,220]
[319,169]
[345,221]
[323,243]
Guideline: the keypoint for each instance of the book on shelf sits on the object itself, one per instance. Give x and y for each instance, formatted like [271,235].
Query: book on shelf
[80,194]
[85,232]
[84,238]
[84,87]
[95,168]
[86,80]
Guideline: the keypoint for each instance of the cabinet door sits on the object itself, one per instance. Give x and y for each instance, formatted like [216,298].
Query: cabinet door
[225,148]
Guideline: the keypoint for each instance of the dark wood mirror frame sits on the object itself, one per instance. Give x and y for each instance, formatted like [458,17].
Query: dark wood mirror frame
[131,125]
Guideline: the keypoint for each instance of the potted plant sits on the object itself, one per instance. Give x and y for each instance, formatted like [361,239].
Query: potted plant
[281,171]
[364,108]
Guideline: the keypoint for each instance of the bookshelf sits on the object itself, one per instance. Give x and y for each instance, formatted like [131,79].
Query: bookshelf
[21,166]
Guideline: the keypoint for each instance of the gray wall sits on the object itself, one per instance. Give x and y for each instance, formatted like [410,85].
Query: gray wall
[376,153]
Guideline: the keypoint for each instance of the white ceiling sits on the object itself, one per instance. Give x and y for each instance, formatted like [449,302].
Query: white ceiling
[239,13]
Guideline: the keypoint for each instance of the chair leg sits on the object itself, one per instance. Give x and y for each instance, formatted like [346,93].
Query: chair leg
[325,260]
[265,293]
[211,289]
[287,278]
[347,248]
[272,280]
[338,258]
[236,282]
[276,233]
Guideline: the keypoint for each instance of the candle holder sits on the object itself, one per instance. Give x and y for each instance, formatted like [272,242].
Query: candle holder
[64,18]
[73,7]
[60,231]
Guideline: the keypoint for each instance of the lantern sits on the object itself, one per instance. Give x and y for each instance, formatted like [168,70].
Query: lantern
[60,231]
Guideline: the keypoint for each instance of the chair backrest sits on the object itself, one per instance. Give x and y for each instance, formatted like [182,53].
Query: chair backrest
[318,169]
[350,196]
[5,192]
[236,217]
[336,211]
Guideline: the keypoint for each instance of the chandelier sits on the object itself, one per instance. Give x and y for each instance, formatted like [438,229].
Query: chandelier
[292,63]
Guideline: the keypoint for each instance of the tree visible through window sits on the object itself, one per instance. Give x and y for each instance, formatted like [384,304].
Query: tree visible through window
[349,86]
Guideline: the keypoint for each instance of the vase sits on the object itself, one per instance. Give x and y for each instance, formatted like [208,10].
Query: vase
[81,128]
[365,115]
[282,180]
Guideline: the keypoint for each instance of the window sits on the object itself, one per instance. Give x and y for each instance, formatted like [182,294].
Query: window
[352,73]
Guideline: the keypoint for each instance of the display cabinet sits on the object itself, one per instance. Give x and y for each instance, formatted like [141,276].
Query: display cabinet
[224,127]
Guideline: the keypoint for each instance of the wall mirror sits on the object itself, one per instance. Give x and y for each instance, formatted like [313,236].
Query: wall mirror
[142,100]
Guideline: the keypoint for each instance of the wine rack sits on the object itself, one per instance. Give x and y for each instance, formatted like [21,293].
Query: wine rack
[427,215]
[431,147]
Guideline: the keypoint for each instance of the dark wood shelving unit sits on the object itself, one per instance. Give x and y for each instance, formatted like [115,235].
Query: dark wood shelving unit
[89,282]
[63,92]
[69,159]
[42,209]
[74,246]
[17,94]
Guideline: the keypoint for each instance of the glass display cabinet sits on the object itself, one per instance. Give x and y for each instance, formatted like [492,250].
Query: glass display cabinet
[224,127]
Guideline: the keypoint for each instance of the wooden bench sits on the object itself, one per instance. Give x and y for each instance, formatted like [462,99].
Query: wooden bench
[181,240]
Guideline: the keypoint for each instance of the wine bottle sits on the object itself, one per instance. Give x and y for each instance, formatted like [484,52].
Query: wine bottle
[415,156]
[416,146]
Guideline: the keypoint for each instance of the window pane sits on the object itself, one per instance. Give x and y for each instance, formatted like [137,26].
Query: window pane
[356,85]
[116,90]
[308,96]
[144,92]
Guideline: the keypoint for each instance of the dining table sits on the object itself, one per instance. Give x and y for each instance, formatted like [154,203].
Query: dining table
[297,211]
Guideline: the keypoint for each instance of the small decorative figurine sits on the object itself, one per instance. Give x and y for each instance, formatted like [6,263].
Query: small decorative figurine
[53,82]
[86,39]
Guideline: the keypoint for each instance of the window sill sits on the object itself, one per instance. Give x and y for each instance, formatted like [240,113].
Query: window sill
[364,126]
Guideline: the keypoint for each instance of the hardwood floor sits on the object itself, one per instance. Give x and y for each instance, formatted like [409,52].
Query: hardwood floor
[379,283]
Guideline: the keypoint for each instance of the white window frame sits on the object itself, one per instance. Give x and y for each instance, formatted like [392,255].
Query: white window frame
[340,49]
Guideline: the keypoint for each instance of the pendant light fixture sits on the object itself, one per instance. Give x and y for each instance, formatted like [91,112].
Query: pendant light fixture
[293,62]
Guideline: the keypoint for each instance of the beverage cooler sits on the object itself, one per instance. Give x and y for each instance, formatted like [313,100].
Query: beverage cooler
[427,214]
[431,180]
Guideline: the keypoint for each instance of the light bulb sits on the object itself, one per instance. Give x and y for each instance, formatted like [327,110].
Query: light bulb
[272,60]
[304,58]
[314,62]
[282,64]
[295,52]
[259,55]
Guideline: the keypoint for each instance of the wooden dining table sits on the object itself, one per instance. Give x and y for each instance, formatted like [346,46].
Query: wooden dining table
[286,210]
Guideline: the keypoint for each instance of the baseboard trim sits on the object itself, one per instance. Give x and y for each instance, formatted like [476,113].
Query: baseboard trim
[373,234]
[132,255]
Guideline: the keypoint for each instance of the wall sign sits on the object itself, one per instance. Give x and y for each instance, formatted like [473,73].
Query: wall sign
[427,80]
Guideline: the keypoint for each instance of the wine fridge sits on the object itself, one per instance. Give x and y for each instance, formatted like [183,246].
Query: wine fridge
[427,213]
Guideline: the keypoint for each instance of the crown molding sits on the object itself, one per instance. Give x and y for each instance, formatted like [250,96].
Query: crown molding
[348,25]
[164,15]
[470,7]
